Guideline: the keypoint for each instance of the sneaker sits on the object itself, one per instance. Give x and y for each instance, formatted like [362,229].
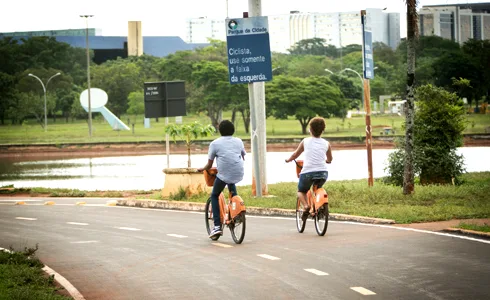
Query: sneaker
[216,232]
[305,215]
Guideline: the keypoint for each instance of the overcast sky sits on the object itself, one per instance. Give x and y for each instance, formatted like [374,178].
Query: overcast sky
[165,17]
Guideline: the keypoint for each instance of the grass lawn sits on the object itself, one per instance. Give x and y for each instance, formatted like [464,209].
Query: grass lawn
[21,277]
[77,131]
[354,197]
[475,227]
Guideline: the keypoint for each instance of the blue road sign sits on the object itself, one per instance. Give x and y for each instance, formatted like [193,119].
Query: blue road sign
[249,53]
[367,50]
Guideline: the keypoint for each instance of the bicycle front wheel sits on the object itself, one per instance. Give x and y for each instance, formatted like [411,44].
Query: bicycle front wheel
[300,224]
[208,216]
[237,228]
[321,220]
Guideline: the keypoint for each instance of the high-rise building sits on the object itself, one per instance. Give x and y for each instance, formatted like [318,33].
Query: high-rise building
[338,29]
[457,22]
[201,29]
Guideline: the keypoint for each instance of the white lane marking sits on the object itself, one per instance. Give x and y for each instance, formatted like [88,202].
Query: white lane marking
[266,256]
[222,245]
[177,235]
[330,221]
[362,291]
[128,228]
[75,223]
[316,272]
[28,219]
[84,242]
[65,283]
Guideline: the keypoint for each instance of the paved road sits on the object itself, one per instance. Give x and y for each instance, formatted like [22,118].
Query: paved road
[127,253]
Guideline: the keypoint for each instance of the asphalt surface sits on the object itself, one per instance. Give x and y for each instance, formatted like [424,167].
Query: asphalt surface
[129,253]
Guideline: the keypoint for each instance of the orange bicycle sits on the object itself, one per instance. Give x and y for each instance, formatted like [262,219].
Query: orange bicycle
[232,214]
[318,201]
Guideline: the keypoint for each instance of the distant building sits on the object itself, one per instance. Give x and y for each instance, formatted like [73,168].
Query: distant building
[62,32]
[338,29]
[110,47]
[456,22]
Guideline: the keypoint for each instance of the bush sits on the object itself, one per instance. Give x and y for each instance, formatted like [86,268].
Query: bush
[438,130]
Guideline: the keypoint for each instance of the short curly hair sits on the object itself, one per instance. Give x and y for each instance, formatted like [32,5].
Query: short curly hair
[226,128]
[317,126]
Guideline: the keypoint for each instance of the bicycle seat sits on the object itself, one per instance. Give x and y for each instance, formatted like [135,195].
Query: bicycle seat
[318,180]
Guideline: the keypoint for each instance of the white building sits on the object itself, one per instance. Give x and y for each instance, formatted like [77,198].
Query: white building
[199,30]
[338,29]
[457,22]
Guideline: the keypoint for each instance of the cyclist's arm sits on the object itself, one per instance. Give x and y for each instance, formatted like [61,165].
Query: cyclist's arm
[297,153]
[329,154]
[207,166]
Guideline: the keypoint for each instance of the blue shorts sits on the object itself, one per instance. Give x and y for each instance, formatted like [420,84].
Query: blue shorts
[306,180]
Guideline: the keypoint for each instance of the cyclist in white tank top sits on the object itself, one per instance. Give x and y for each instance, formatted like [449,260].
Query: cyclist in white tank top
[318,153]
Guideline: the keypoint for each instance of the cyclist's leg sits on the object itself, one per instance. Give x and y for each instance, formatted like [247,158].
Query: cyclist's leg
[232,189]
[218,187]
[304,185]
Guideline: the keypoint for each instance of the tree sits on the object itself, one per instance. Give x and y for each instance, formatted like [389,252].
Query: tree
[118,78]
[438,131]
[304,98]
[7,92]
[136,105]
[212,76]
[314,46]
[384,53]
[412,32]
[31,104]
[479,52]
[188,133]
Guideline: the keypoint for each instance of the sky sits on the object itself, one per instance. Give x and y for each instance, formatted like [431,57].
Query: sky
[165,17]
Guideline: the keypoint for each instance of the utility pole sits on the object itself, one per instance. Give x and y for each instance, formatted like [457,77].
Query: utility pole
[258,124]
[88,76]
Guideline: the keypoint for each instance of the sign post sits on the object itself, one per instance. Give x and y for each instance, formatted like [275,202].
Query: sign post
[165,99]
[249,61]
[368,72]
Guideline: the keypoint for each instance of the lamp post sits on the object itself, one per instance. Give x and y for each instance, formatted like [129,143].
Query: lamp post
[327,70]
[44,90]
[88,76]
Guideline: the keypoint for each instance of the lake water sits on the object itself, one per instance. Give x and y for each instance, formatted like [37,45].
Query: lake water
[145,172]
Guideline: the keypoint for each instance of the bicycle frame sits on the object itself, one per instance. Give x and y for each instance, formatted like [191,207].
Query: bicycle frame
[235,205]
[315,197]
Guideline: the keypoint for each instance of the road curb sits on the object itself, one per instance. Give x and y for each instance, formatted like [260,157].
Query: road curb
[260,211]
[468,232]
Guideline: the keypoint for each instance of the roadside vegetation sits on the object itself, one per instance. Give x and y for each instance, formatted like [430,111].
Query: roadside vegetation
[429,203]
[475,227]
[22,277]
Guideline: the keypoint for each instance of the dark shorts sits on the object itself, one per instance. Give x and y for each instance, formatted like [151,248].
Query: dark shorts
[306,180]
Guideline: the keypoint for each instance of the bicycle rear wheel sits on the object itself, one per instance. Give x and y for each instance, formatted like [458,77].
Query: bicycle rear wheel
[208,216]
[300,224]
[321,220]
[237,228]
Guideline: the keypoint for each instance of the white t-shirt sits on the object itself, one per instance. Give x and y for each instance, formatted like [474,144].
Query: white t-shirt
[315,155]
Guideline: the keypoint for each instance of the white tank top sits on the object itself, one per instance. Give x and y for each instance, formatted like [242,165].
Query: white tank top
[315,155]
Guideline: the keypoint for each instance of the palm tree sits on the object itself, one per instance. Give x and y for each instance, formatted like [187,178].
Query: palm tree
[412,35]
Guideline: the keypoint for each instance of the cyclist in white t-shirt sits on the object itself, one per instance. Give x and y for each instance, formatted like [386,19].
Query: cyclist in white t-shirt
[318,153]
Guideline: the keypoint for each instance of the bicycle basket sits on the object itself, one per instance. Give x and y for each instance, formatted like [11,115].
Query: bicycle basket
[210,176]
[299,166]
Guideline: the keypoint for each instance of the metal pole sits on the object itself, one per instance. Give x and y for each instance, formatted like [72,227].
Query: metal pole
[45,110]
[259,132]
[88,77]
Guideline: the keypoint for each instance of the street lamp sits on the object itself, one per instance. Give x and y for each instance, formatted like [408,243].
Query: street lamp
[44,90]
[327,70]
[88,76]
